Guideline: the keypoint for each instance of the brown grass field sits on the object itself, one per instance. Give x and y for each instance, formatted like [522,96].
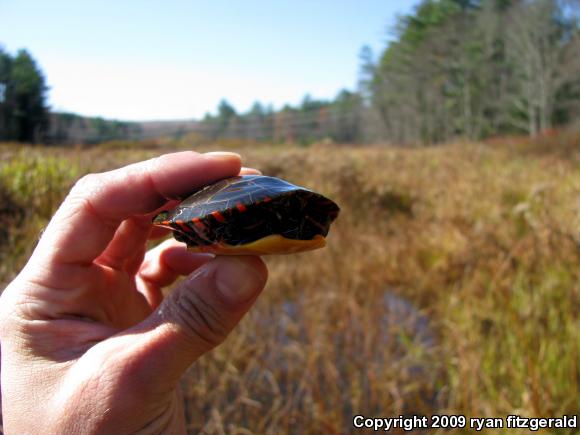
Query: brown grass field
[450,284]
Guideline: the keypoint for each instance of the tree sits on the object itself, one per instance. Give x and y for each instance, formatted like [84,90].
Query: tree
[536,42]
[414,78]
[255,120]
[226,113]
[6,101]
[31,112]
[23,110]
[346,112]
[476,68]
[366,72]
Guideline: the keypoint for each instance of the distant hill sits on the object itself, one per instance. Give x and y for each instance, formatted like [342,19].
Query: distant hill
[70,128]
[155,129]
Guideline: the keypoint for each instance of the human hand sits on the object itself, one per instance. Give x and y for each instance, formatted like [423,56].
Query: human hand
[89,345]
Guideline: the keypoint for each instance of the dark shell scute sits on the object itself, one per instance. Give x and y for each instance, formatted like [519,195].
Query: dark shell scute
[227,194]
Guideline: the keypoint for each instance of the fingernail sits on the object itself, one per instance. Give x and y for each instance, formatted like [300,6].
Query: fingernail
[237,278]
[250,171]
[223,154]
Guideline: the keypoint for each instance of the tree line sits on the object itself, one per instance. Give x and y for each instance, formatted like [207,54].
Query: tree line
[454,68]
[477,68]
[311,120]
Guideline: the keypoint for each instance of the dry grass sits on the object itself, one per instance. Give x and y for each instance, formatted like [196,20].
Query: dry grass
[450,285]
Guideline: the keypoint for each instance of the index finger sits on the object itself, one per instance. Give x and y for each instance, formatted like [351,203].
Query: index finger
[87,219]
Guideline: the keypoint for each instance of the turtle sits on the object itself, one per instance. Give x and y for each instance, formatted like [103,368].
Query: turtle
[251,215]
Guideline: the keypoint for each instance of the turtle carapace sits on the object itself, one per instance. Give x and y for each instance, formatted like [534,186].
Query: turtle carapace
[251,214]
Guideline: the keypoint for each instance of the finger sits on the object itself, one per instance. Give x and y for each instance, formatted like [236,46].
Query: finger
[89,217]
[162,265]
[128,243]
[134,262]
[158,232]
[250,171]
[197,316]
[166,262]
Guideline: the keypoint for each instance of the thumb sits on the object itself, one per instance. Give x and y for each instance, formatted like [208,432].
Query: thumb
[197,316]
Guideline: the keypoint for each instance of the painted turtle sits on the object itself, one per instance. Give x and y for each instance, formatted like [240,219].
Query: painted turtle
[251,214]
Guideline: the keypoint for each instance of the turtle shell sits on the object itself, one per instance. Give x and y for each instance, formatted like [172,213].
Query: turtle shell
[251,214]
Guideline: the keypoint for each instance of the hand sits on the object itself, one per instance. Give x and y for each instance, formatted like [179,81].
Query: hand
[89,345]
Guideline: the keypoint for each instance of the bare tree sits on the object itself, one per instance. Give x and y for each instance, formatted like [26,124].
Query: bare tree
[537,44]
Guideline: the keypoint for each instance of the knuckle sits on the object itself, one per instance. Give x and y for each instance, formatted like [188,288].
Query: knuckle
[6,325]
[83,190]
[200,320]
[9,310]
[86,184]
[82,196]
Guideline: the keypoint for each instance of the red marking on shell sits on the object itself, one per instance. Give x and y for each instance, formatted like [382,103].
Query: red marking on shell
[183,226]
[267,199]
[198,223]
[218,216]
[241,207]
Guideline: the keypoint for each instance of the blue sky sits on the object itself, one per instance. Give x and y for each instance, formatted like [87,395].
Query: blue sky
[146,60]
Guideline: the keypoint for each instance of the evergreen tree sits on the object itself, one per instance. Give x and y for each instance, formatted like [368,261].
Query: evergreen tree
[31,113]
[5,96]
[23,110]
[226,113]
